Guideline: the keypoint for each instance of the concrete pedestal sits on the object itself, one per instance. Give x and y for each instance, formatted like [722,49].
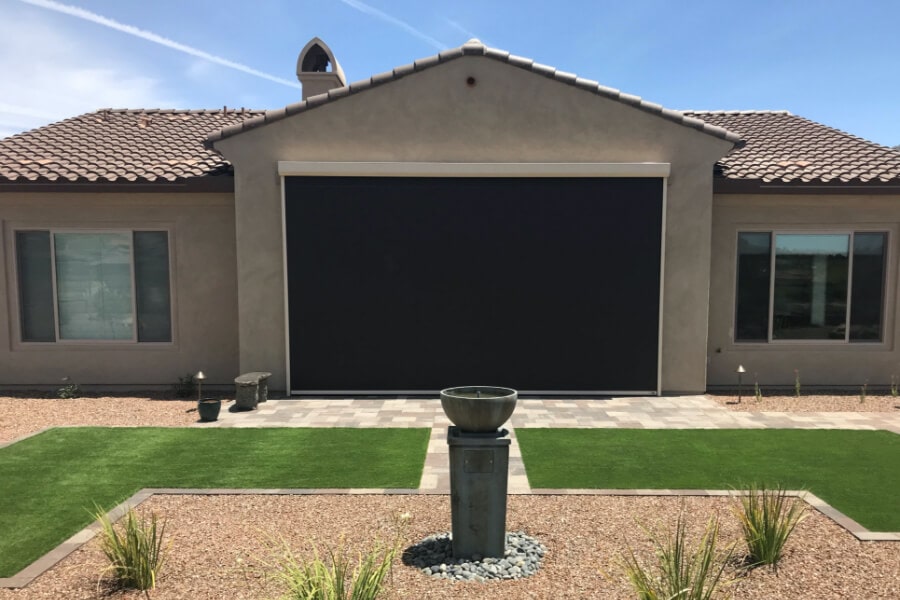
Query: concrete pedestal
[479,472]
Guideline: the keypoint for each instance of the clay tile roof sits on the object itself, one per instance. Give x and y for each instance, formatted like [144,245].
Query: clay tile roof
[153,145]
[781,147]
[476,48]
[148,145]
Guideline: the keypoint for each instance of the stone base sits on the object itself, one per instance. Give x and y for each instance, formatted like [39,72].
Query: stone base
[479,472]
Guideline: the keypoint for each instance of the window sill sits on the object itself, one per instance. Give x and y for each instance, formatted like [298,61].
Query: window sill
[816,345]
[87,346]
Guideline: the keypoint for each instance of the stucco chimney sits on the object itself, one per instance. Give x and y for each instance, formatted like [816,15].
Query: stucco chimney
[318,70]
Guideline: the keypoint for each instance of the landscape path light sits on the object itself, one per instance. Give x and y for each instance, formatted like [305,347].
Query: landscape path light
[199,377]
[740,372]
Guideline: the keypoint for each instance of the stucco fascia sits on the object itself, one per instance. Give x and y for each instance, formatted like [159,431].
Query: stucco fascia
[509,115]
[203,287]
[825,364]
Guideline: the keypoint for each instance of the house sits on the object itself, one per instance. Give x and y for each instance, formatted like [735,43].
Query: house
[473,217]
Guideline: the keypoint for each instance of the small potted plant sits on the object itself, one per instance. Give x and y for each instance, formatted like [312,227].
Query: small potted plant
[208,408]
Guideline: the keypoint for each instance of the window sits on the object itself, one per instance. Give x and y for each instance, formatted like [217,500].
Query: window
[110,285]
[810,286]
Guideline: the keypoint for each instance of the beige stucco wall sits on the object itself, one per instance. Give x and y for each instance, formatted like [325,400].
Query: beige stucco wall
[829,364]
[510,115]
[204,290]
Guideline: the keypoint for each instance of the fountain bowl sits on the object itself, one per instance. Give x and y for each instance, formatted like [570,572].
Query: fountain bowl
[478,408]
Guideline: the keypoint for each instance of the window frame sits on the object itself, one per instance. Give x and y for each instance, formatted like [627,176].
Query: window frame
[133,342]
[844,343]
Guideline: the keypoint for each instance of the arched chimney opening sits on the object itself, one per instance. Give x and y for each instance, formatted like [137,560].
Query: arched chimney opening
[316,61]
[318,70]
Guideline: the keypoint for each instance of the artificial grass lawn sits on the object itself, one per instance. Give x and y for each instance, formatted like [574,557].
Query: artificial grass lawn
[854,471]
[51,481]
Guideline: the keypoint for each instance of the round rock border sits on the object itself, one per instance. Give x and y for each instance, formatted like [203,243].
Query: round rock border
[433,556]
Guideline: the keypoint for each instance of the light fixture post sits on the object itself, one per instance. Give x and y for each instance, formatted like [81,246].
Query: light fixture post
[740,372]
[199,377]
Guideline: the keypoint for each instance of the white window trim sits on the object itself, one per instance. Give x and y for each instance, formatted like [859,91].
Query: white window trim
[448,169]
[845,343]
[18,342]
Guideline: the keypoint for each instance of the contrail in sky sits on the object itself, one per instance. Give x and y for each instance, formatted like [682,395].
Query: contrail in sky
[469,35]
[371,10]
[87,15]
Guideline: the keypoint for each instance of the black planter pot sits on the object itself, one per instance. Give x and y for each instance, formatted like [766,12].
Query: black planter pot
[209,409]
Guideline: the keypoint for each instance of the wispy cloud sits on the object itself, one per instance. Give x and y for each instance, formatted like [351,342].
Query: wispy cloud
[54,80]
[378,14]
[25,111]
[87,15]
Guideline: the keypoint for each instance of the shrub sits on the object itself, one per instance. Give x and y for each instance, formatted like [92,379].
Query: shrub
[69,390]
[134,549]
[681,573]
[768,517]
[331,578]
[186,387]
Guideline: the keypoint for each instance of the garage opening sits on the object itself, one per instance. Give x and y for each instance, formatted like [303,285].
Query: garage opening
[413,284]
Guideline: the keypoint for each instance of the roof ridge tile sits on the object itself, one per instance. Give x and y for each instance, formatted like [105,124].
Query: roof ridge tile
[496,54]
[586,84]
[424,63]
[450,54]
[404,70]
[542,69]
[519,61]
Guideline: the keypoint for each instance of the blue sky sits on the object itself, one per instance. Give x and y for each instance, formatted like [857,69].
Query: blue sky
[834,62]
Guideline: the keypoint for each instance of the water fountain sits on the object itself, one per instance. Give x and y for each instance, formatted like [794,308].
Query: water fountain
[479,467]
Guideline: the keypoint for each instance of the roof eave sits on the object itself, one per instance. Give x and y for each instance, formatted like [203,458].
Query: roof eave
[726,185]
[211,184]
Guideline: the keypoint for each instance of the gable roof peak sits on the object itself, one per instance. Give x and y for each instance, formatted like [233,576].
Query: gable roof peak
[474,47]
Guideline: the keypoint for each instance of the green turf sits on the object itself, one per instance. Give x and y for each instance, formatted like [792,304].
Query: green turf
[51,480]
[854,471]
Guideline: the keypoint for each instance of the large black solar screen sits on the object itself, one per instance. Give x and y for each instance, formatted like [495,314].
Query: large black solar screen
[406,284]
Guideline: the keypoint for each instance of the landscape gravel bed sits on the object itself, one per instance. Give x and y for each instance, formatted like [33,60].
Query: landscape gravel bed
[808,403]
[224,547]
[21,416]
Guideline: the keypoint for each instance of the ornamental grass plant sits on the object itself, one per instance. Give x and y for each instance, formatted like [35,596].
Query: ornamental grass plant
[768,516]
[682,571]
[134,549]
[333,577]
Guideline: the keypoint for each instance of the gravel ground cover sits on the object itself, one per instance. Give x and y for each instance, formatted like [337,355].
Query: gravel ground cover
[811,403]
[219,548]
[219,543]
[21,416]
